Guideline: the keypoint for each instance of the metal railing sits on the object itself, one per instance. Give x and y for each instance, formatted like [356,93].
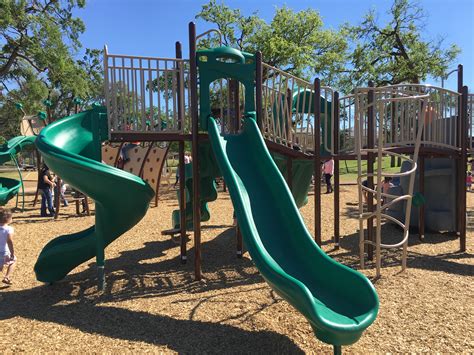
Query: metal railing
[441,121]
[470,122]
[288,111]
[146,94]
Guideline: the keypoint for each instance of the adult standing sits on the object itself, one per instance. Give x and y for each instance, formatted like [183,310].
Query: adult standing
[46,185]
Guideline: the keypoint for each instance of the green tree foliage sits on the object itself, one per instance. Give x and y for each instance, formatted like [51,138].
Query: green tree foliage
[293,41]
[39,41]
[395,52]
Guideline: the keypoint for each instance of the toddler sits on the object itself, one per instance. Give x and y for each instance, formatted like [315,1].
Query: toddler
[7,252]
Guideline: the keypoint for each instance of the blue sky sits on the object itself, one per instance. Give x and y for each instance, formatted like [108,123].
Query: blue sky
[151,27]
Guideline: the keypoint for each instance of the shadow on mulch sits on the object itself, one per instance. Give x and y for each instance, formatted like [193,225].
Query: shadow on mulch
[135,274]
[392,234]
[183,336]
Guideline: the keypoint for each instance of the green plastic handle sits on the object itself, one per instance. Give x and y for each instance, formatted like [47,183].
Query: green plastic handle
[42,115]
[77,101]
[215,54]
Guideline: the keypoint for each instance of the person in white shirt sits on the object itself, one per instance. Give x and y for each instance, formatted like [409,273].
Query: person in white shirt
[328,171]
[187,160]
[7,252]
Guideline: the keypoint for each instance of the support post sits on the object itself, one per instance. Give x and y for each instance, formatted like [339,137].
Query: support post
[181,167]
[57,196]
[182,203]
[317,160]
[195,153]
[463,207]
[38,168]
[461,179]
[100,247]
[335,102]
[236,128]
[13,158]
[370,170]
[258,88]
[421,188]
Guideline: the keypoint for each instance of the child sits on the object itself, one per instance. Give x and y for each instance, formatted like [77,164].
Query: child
[328,170]
[187,160]
[469,181]
[386,185]
[365,193]
[7,252]
[60,188]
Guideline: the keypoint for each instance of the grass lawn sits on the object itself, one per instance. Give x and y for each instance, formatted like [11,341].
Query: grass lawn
[348,169]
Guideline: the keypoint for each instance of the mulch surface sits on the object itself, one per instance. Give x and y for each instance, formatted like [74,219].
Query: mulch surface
[152,302]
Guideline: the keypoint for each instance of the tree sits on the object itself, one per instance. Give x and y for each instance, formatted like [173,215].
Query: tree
[33,32]
[395,52]
[39,41]
[293,41]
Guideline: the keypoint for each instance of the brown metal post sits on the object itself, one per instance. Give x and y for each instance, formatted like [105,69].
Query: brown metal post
[460,78]
[370,170]
[317,160]
[236,128]
[464,120]
[57,197]
[421,188]
[236,101]
[195,154]
[289,120]
[48,114]
[38,168]
[258,88]
[182,204]
[461,185]
[335,102]
[181,167]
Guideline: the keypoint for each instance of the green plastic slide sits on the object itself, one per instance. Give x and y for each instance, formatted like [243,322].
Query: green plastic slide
[71,148]
[302,175]
[208,171]
[8,151]
[8,189]
[340,303]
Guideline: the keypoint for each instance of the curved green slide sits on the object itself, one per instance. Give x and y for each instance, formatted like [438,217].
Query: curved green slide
[302,172]
[340,303]
[208,172]
[9,187]
[71,148]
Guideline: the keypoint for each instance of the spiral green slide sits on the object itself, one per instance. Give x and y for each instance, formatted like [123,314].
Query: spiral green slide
[10,187]
[71,148]
[340,303]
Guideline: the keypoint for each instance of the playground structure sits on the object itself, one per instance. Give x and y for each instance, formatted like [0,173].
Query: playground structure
[268,111]
[30,126]
[146,162]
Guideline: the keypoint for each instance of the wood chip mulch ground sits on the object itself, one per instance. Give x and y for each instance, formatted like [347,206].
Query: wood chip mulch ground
[152,303]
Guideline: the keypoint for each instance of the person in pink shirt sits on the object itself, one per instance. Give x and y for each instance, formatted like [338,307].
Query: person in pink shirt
[328,171]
